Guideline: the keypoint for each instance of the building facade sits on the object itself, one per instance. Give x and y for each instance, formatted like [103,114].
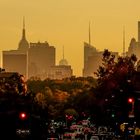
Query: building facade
[92,60]
[41,57]
[61,71]
[134,46]
[15,61]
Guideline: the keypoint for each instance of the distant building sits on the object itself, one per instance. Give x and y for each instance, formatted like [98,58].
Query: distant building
[134,46]
[60,72]
[15,61]
[30,59]
[23,44]
[41,57]
[92,59]
[63,70]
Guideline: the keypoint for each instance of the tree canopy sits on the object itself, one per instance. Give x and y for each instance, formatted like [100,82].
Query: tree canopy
[114,73]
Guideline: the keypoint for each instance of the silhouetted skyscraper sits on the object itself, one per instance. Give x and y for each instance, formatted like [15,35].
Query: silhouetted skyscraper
[41,56]
[89,51]
[92,58]
[23,44]
[17,60]
[134,46]
[138,31]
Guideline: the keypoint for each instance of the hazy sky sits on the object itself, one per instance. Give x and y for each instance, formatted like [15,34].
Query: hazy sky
[65,23]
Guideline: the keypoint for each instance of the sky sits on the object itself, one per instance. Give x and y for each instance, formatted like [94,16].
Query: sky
[66,22]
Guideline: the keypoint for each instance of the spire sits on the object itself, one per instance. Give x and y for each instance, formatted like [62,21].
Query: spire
[63,61]
[63,52]
[23,44]
[89,34]
[123,41]
[23,22]
[23,30]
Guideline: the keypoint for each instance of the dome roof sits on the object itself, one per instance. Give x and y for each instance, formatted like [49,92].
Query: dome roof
[133,40]
[63,62]
[23,45]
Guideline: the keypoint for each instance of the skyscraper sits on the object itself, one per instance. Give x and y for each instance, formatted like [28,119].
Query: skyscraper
[92,58]
[23,44]
[17,60]
[139,31]
[41,56]
[134,46]
[89,52]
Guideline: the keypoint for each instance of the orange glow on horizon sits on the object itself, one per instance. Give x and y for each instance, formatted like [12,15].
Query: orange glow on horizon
[65,23]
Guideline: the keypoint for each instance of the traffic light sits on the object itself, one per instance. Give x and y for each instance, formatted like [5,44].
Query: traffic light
[113,115]
[131,107]
[22,115]
[130,100]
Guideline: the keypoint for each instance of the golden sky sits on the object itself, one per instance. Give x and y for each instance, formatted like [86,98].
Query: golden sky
[65,23]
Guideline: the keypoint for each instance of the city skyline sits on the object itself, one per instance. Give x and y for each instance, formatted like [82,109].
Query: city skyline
[65,23]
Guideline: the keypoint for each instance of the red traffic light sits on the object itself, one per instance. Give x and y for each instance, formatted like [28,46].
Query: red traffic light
[130,100]
[23,115]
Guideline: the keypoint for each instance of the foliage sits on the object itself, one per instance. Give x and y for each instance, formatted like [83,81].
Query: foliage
[114,85]
[113,75]
[12,82]
[55,96]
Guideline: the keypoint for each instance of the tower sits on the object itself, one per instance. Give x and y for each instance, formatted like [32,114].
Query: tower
[23,44]
[123,41]
[89,35]
[63,61]
[138,31]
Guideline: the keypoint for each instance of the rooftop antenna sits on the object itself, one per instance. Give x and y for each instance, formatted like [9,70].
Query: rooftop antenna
[89,35]
[63,52]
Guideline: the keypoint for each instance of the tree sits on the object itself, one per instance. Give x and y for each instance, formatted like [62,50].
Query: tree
[114,82]
[114,75]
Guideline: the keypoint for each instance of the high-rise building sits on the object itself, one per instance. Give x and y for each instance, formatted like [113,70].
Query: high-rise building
[31,60]
[92,59]
[41,56]
[17,60]
[134,46]
[63,70]
[23,44]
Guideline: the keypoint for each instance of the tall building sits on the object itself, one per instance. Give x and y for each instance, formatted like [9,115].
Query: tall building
[63,70]
[41,56]
[17,60]
[23,44]
[134,46]
[30,59]
[92,59]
